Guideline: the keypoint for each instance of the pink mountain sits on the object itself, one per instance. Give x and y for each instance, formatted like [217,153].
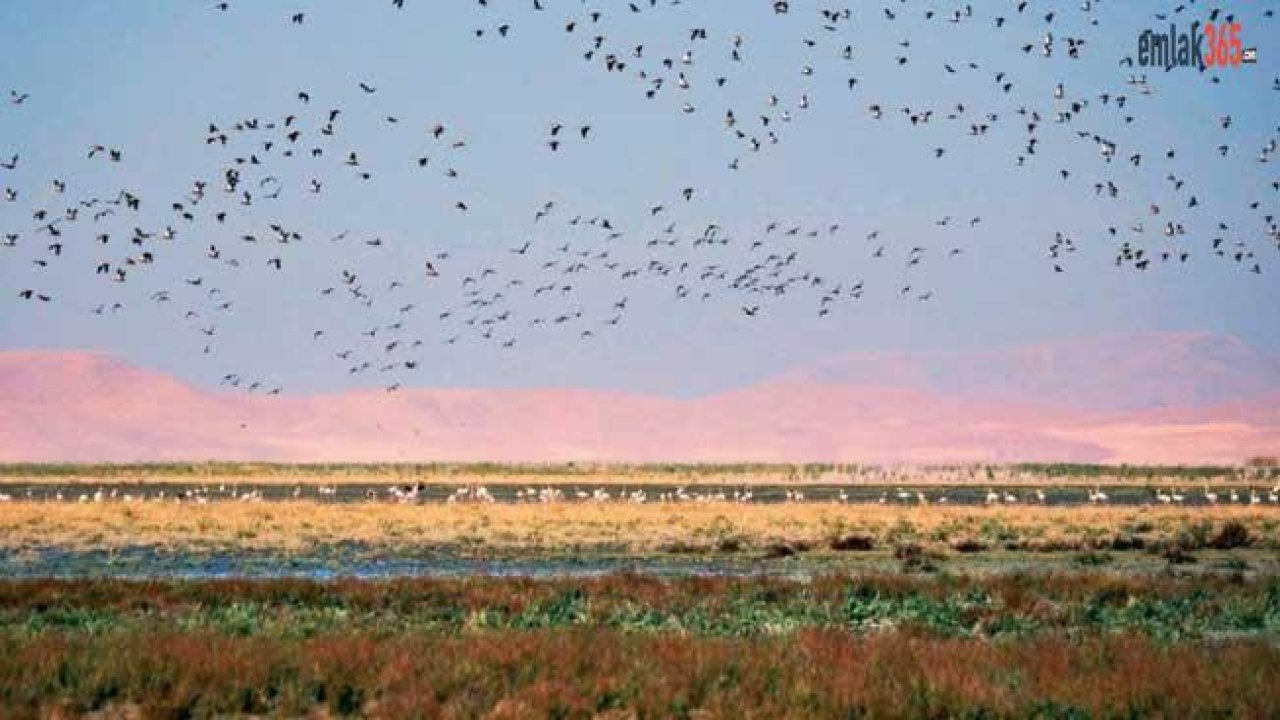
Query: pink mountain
[1166,398]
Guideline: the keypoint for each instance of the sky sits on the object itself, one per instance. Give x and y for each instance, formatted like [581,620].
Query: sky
[149,77]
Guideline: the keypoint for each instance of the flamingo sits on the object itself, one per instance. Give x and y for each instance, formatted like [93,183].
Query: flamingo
[1210,497]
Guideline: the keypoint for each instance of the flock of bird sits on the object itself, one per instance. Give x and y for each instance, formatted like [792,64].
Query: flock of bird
[226,222]
[418,492]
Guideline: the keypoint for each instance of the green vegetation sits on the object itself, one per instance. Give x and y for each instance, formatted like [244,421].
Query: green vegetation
[1015,605]
[1128,472]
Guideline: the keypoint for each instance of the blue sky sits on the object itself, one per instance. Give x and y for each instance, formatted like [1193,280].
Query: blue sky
[149,77]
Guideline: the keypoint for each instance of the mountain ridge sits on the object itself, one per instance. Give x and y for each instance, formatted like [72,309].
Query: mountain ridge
[1157,397]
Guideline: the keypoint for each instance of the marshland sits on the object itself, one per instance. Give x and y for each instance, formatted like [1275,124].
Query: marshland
[660,359]
[686,591]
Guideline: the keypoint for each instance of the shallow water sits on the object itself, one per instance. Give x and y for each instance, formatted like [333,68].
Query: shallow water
[355,560]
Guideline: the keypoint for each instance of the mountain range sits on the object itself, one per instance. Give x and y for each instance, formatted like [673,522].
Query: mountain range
[1173,398]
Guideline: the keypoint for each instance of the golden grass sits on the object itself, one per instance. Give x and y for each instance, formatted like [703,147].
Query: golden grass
[622,527]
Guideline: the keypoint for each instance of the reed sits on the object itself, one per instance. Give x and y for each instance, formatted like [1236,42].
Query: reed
[623,527]
[595,673]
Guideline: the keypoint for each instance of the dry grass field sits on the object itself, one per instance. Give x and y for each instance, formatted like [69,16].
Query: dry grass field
[621,527]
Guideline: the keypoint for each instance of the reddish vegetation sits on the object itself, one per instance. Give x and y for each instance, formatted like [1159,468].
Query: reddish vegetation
[150,649]
[582,673]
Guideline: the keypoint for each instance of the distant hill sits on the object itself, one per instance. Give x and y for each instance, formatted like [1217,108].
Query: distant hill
[1115,372]
[1167,398]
